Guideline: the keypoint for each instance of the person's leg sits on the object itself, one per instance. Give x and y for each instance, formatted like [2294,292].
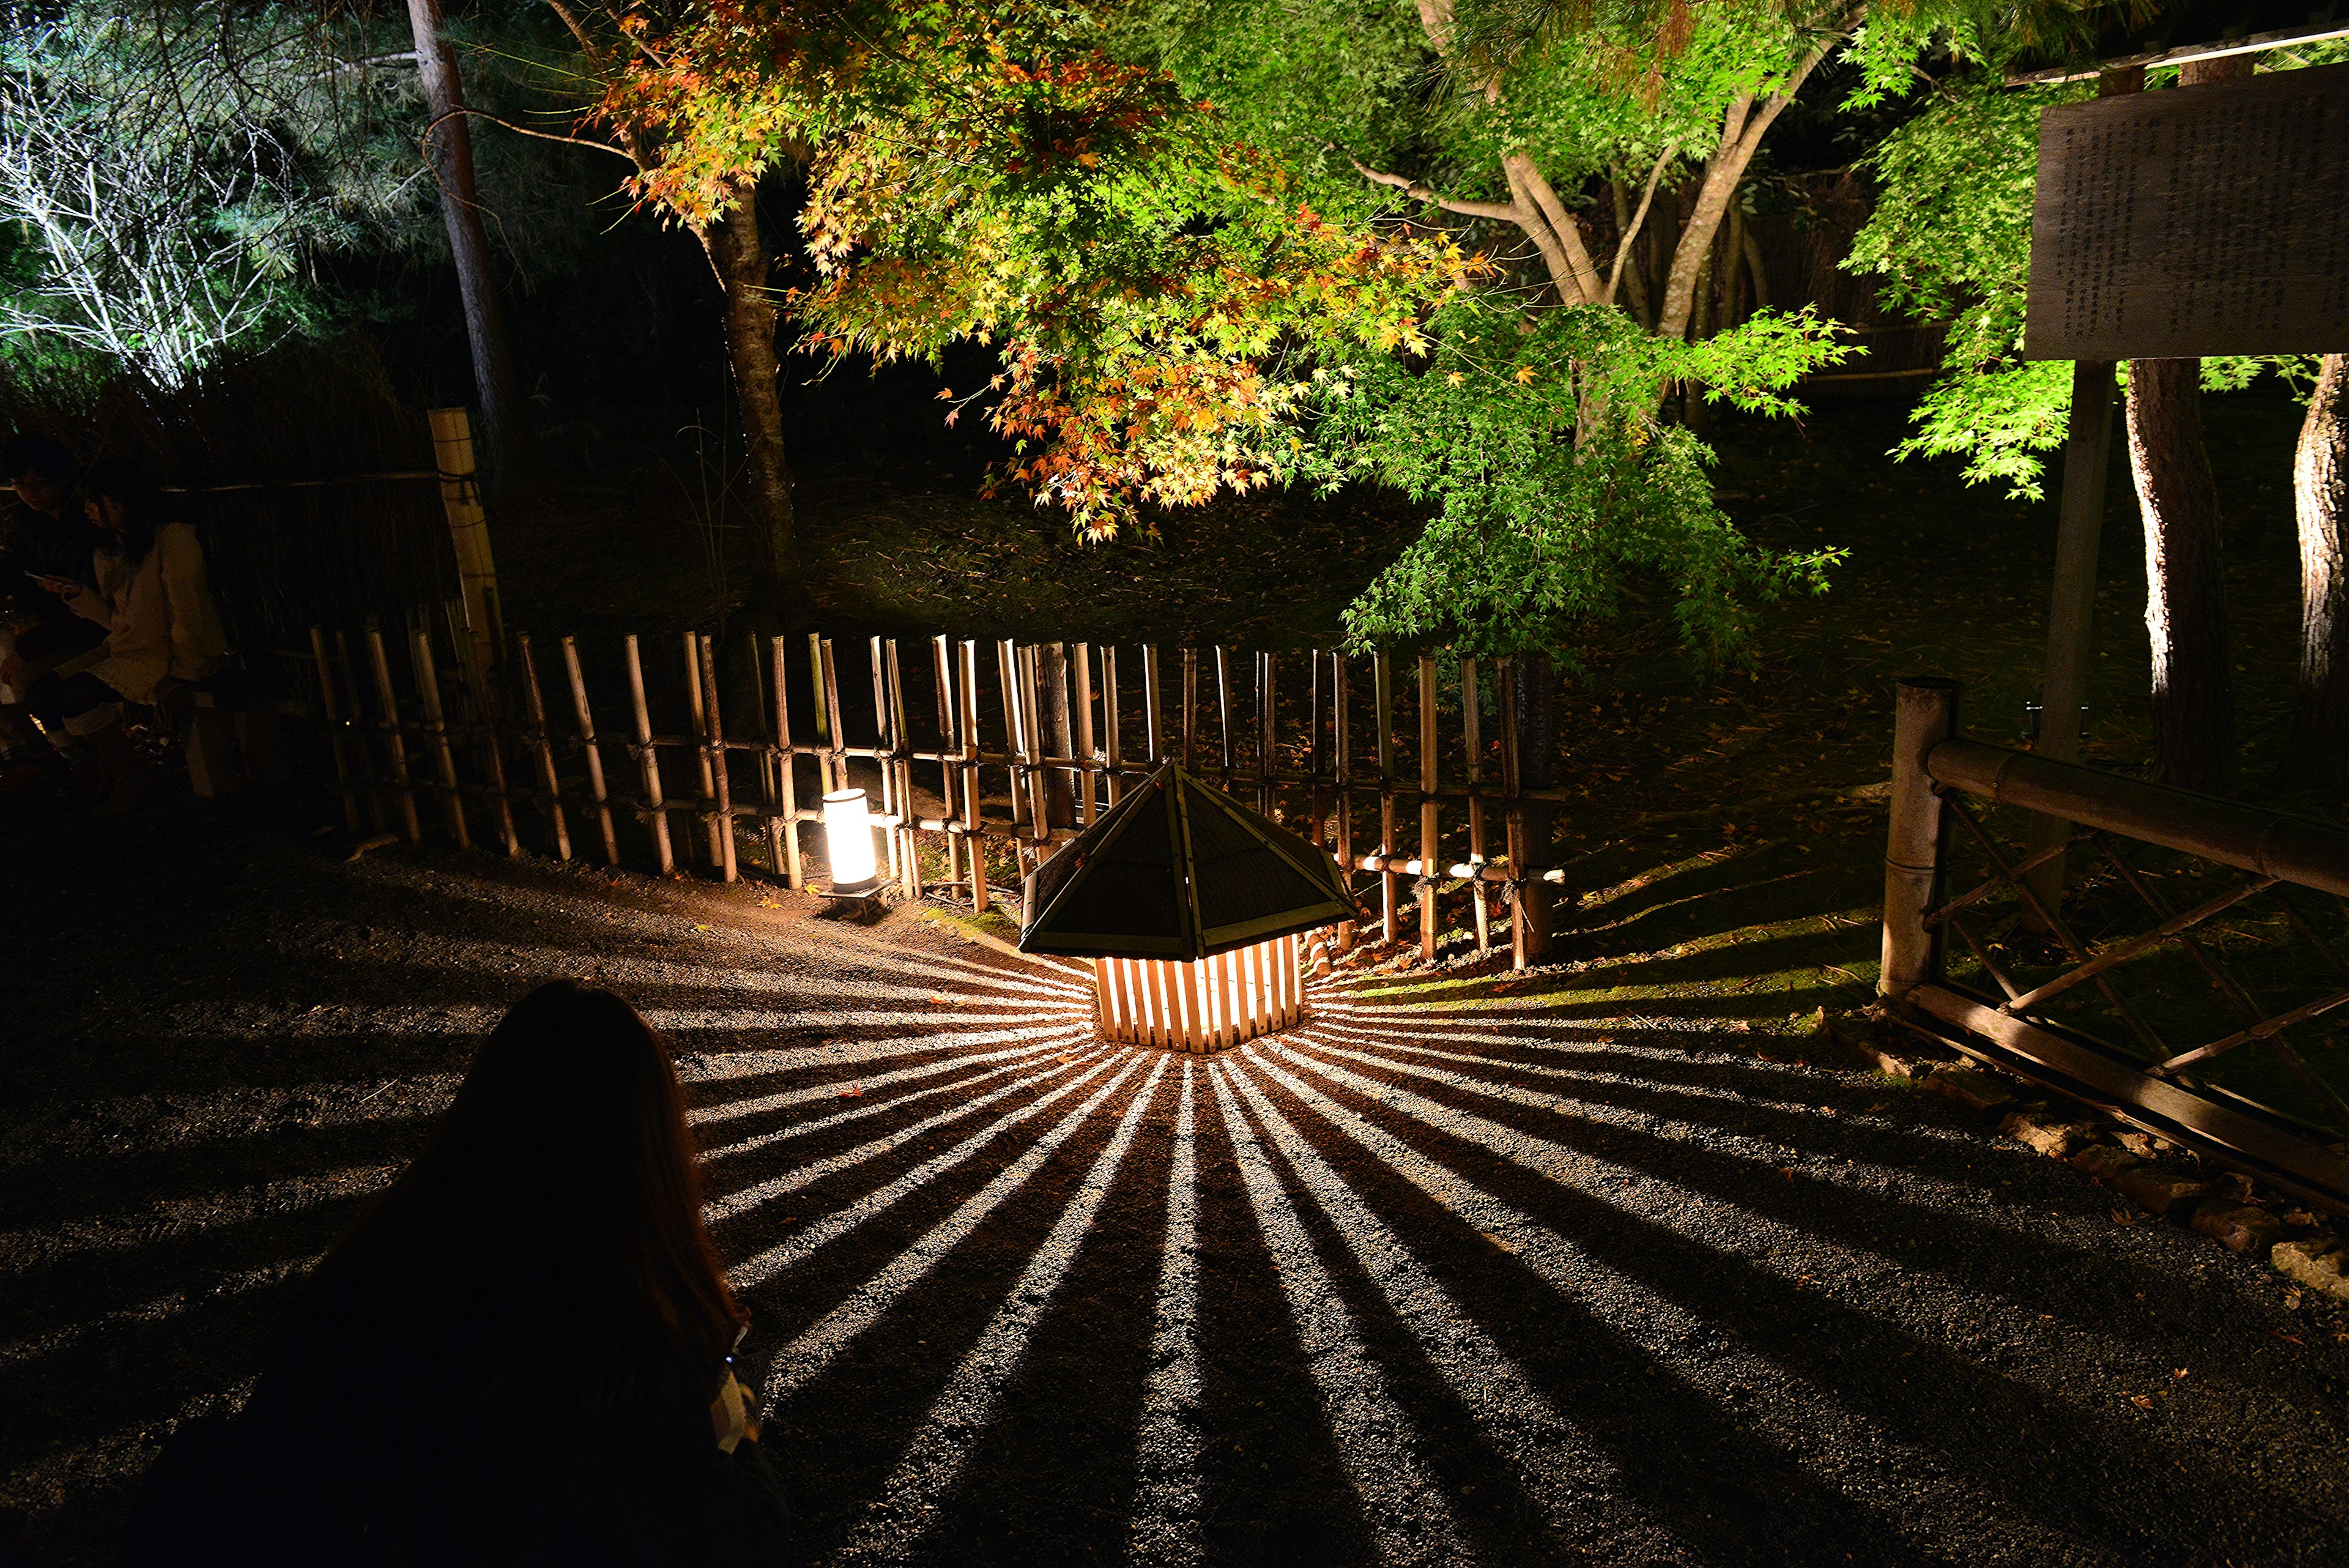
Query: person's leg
[92,713]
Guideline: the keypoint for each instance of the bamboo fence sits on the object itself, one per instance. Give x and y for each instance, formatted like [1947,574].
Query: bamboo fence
[677,751]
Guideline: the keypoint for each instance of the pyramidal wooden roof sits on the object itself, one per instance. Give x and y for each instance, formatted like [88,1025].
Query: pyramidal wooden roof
[1178,870]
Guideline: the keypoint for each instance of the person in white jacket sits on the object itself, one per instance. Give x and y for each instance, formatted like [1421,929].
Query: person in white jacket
[162,629]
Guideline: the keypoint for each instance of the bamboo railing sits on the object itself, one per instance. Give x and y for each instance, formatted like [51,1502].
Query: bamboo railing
[711,759]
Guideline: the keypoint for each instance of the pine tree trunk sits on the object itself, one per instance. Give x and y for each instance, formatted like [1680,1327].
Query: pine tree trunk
[2185,608]
[2320,485]
[739,261]
[505,425]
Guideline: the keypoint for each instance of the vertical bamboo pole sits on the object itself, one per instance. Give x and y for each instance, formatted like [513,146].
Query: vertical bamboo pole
[1472,720]
[1927,715]
[1190,709]
[469,534]
[1032,705]
[713,766]
[1014,729]
[1382,690]
[436,731]
[1521,894]
[1223,710]
[328,706]
[589,748]
[355,704]
[1430,835]
[648,763]
[884,744]
[492,752]
[1267,702]
[942,678]
[697,711]
[396,741]
[783,827]
[822,711]
[1317,802]
[1114,758]
[902,763]
[1085,728]
[828,698]
[1342,782]
[973,803]
[1153,732]
[534,709]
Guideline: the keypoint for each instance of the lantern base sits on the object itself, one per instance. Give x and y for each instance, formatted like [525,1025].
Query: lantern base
[1213,1005]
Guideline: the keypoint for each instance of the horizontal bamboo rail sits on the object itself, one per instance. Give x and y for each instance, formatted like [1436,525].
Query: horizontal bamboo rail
[1013,765]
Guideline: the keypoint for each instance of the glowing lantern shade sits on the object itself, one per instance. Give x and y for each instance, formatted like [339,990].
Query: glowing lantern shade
[1191,906]
[848,842]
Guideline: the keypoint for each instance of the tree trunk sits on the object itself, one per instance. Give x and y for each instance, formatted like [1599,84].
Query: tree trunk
[741,262]
[2185,604]
[505,426]
[2320,486]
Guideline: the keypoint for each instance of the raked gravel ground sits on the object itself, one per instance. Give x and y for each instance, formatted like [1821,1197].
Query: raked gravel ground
[1412,1284]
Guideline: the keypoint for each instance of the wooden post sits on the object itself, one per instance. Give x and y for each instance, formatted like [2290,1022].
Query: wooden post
[816,689]
[598,796]
[397,743]
[1318,805]
[713,766]
[493,757]
[1152,731]
[355,706]
[1926,716]
[1521,894]
[900,764]
[1429,831]
[1031,707]
[885,762]
[1268,700]
[942,678]
[436,731]
[2087,452]
[1471,721]
[1113,759]
[331,709]
[828,697]
[468,533]
[1007,682]
[1190,709]
[973,803]
[534,709]
[697,711]
[1224,710]
[787,782]
[1383,689]
[648,763]
[1085,736]
[1342,781]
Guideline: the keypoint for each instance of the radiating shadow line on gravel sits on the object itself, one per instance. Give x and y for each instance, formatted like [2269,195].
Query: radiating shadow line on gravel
[868,1097]
[1404,1506]
[1995,1260]
[836,1050]
[1167,1492]
[1670,1448]
[144,1063]
[1483,1427]
[936,1460]
[715,1100]
[1953,1409]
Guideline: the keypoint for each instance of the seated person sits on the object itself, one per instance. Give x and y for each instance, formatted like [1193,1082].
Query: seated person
[155,612]
[520,1354]
[42,533]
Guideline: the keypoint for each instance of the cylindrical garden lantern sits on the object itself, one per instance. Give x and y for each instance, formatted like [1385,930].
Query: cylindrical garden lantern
[1191,906]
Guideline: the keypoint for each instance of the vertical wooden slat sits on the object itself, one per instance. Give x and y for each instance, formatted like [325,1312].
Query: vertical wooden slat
[1342,781]
[1382,690]
[722,800]
[783,832]
[436,731]
[1430,832]
[593,752]
[1153,732]
[1104,1016]
[1115,754]
[395,741]
[1084,716]
[334,728]
[534,709]
[648,763]
[1472,720]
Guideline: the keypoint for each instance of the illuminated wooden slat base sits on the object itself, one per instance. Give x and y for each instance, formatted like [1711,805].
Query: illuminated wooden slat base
[1210,1005]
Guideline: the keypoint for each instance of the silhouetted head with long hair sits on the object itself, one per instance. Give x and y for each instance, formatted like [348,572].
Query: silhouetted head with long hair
[556,1215]
[124,505]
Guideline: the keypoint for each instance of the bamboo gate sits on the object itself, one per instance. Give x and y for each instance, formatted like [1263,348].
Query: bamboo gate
[689,752]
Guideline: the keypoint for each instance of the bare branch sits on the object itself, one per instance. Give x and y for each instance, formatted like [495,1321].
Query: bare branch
[1420,191]
[1631,228]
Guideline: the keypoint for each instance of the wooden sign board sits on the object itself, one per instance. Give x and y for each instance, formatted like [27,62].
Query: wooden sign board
[2194,221]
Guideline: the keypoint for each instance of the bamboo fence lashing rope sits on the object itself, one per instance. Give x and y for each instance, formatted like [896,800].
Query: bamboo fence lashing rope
[1190,709]
[1471,719]
[783,827]
[337,729]
[542,750]
[720,797]
[1084,715]
[396,744]
[436,734]
[648,765]
[591,750]
[1382,679]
